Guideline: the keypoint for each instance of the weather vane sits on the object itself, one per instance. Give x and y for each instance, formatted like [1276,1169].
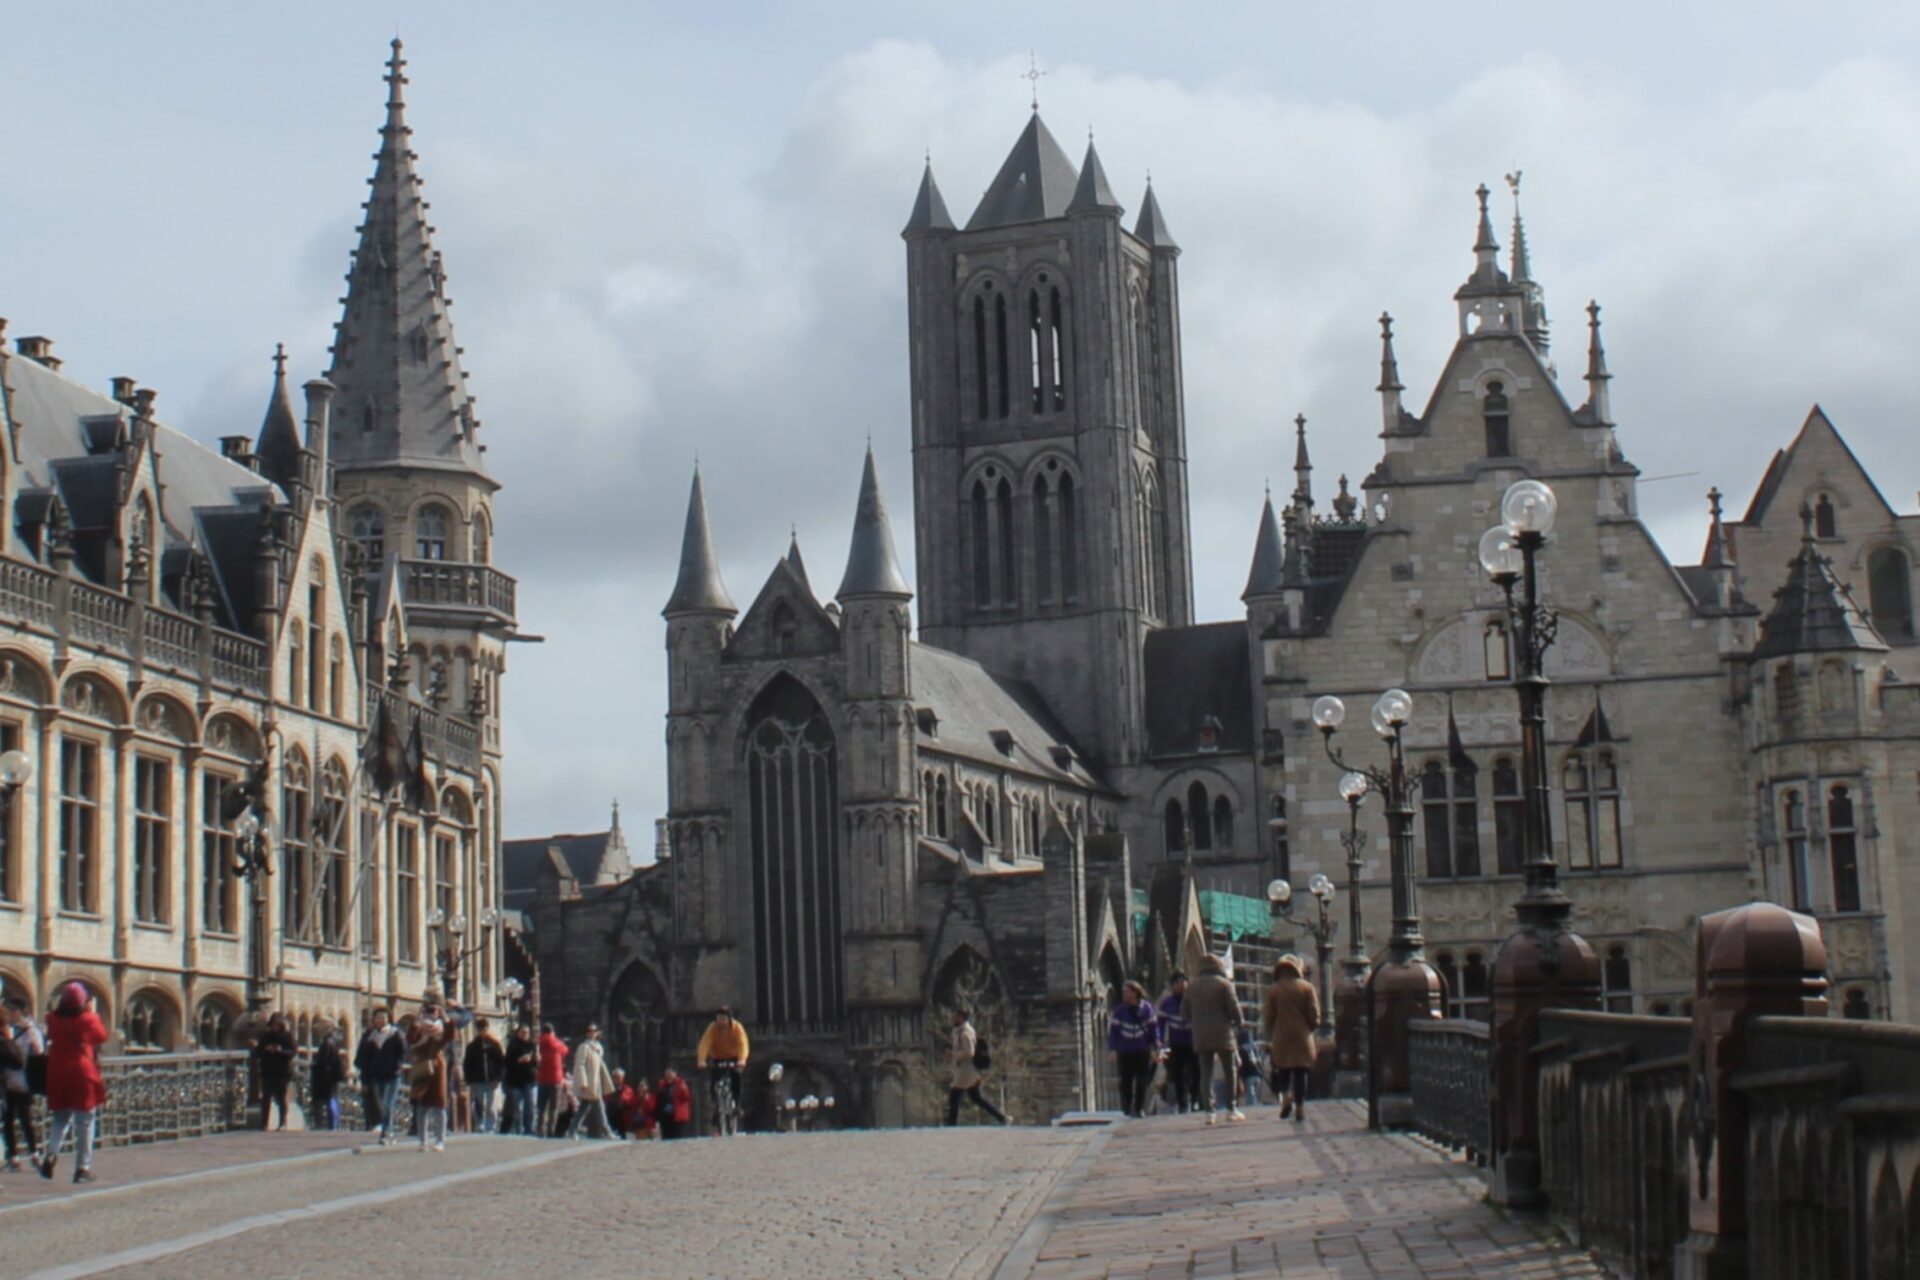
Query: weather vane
[1032,76]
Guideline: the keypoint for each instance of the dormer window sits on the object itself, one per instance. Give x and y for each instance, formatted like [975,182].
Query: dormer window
[1494,410]
[1002,741]
[928,722]
[1825,524]
[1210,734]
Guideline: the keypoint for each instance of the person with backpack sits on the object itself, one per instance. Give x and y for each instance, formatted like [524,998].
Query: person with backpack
[971,1058]
[21,1045]
[1133,1039]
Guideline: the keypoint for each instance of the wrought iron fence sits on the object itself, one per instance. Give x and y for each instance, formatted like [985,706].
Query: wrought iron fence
[1452,1083]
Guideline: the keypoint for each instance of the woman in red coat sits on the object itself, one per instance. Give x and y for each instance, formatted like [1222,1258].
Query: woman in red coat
[74,1088]
[673,1104]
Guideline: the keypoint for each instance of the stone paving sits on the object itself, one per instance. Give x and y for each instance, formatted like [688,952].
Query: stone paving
[1266,1198]
[116,1167]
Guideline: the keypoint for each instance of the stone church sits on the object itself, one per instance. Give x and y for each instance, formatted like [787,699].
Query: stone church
[867,827]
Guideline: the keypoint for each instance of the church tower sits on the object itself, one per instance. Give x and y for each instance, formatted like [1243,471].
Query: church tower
[1049,438]
[405,451]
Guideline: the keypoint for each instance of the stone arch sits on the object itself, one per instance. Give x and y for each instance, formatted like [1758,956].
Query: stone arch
[94,695]
[214,1019]
[964,976]
[232,735]
[150,1022]
[1887,1227]
[636,1021]
[24,678]
[161,715]
[14,983]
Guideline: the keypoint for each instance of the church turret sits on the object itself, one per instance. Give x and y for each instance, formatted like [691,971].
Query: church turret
[1151,227]
[1391,409]
[873,598]
[1719,555]
[929,209]
[1268,574]
[278,448]
[872,567]
[1093,193]
[698,589]
[1533,305]
[1598,410]
[1489,302]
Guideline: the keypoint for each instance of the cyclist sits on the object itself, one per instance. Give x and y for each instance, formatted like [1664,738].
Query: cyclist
[723,1047]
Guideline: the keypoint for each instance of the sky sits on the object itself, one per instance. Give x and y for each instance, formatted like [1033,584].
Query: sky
[673,231]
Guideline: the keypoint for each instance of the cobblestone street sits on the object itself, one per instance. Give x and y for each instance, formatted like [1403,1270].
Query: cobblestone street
[1162,1197]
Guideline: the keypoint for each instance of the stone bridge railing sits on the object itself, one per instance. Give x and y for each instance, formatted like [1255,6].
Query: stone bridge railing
[1762,1138]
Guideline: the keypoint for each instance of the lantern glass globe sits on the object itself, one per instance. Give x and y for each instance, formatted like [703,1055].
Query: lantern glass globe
[1320,887]
[1329,711]
[1353,785]
[1528,507]
[1279,892]
[1394,709]
[1498,556]
[16,767]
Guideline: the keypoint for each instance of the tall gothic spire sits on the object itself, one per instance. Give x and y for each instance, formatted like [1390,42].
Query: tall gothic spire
[698,588]
[1269,570]
[1533,304]
[872,567]
[1151,227]
[1093,191]
[1302,467]
[402,397]
[1035,182]
[1598,411]
[279,447]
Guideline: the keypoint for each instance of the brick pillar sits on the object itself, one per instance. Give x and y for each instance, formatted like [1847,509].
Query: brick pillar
[1536,969]
[1755,961]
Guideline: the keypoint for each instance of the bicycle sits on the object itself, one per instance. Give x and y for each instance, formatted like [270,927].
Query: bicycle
[726,1100]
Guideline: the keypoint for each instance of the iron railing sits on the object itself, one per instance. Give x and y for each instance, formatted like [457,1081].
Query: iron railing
[1452,1084]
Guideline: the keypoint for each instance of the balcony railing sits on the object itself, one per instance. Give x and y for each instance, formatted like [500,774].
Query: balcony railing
[99,617]
[445,738]
[454,584]
[1452,1083]
[26,592]
[172,640]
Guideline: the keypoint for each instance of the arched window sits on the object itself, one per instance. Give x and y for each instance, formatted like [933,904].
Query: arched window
[1153,580]
[337,678]
[1509,817]
[1452,818]
[1223,823]
[1176,825]
[1493,644]
[982,549]
[330,838]
[482,539]
[296,870]
[982,395]
[1282,846]
[1057,332]
[1069,540]
[1793,822]
[1140,347]
[1043,515]
[297,664]
[1825,525]
[1009,559]
[794,811]
[147,1026]
[1890,593]
[1616,981]
[1003,368]
[940,805]
[214,1026]
[1592,791]
[1037,344]
[1198,812]
[370,532]
[152,839]
[430,533]
[1843,848]
[1494,412]
[989,818]
[316,636]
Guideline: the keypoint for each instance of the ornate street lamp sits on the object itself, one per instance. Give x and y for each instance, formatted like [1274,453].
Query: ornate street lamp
[1322,927]
[452,955]
[1543,964]
[1350,999]
[1406,986]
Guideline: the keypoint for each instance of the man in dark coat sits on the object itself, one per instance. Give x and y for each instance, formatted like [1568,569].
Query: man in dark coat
[484,1067]
[329,1069]
[381,1055]
[1215,1010]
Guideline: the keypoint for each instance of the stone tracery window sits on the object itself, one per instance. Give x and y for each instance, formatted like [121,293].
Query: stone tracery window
[1890,593]
[1793,813]
[1843,847]
[1451,815]
[430,527]
[1590,781]
[370,532]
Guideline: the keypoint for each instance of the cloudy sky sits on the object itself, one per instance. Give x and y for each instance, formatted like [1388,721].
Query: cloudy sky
[673,229]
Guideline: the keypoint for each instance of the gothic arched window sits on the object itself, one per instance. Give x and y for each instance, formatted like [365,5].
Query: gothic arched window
[1002,367]
[982,548]
[1198,812]
[1009,557]
[1223,823]
[370,532]
[430,532]
[1890,593]
[1793,813]
[1176,826]
[1592,790]
[982,395]
[1843,847]
[1057,332]
[1064,503]
[1509,818]
[793,801]
[940,805]
[1037,344]
[1825,523]
[215,1025]
[330,840]
[1494,412]
[147,1025]
[1043,517]
[296,795]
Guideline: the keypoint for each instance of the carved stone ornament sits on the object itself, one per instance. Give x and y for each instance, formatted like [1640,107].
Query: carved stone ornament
[162,719]
[86,696]
[19,680]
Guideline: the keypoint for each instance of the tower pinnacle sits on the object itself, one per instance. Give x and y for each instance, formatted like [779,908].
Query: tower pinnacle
[1598,411]
[1390,386]
[1302,468]
[872,567]
[698,588]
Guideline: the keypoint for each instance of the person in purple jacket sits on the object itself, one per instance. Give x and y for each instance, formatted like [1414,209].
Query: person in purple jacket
[1176,1039]
[1133,1038]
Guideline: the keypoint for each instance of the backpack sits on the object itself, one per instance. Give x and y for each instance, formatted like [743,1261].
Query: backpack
[982,1055]
[37,1074]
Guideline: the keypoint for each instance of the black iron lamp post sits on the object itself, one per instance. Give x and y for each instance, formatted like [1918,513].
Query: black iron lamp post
[452,953]
[1543,964]
[1321,926]
[1406,986]
[1350,998]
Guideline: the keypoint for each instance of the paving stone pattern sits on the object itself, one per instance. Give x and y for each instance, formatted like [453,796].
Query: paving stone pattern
[1262,1199]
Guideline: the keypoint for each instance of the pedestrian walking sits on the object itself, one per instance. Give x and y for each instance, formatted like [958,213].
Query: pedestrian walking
[970,1059]
[427,1074]
[484,1065]
[1176,1039]
[551,1075]
[566,1108]
[1215,1011]
[75,1091]
[591,1084]
[329,1069]
[1133,1041]
[21,1045]
[379,1060]
[274,1054]
[522,1079]
[1291,1014]
[673,1104]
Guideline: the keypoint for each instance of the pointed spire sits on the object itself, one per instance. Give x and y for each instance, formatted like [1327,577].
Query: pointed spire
[1719,553]
[929,210]
[698,588]
[279,447]
[1269,556]
[1598,410]
[1151,228]
[872,567]
[1814,611]
[794,561]
[403,398]
[1035,182]
[1092,192]
[616,816]
[1345,505]
[1484,245]
[1519,268]
[1302,467]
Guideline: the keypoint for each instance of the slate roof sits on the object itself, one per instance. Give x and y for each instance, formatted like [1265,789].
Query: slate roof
[1193,673]
[279,446]
[1814,612]
[971,705]
[401,397]
[595,858]
[1093,191]
[698,588]
[1151,228]
[1269,557]
[929,209]
[872,567]
[1036,182]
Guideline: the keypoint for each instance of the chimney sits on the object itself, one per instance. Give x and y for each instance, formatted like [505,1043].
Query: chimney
[123,391]
[40,350]
[319,432]
[237,448]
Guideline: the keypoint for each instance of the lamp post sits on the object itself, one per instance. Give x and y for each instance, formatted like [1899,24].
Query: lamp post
[252,864]
[1543,964]
[1406,986]
[1323,927]
[451,955]
[16,770]
[1350,999]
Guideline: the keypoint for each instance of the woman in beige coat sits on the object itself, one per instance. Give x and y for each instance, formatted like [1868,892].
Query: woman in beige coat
[1290,1015]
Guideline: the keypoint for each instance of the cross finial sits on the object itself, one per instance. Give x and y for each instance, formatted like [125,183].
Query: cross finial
[279,360]
[1032,76]
[1713,501]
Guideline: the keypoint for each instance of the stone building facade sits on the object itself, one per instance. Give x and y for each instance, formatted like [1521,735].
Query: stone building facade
[309,620]
[858,817]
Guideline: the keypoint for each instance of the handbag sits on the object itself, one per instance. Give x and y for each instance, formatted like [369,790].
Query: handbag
[420,1071]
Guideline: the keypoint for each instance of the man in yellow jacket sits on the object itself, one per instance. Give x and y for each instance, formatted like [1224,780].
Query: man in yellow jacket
[723,1045]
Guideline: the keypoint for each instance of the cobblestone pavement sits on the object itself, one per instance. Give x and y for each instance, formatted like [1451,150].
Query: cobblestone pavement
[119,1167]
[931,1203]
[1170,1197]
